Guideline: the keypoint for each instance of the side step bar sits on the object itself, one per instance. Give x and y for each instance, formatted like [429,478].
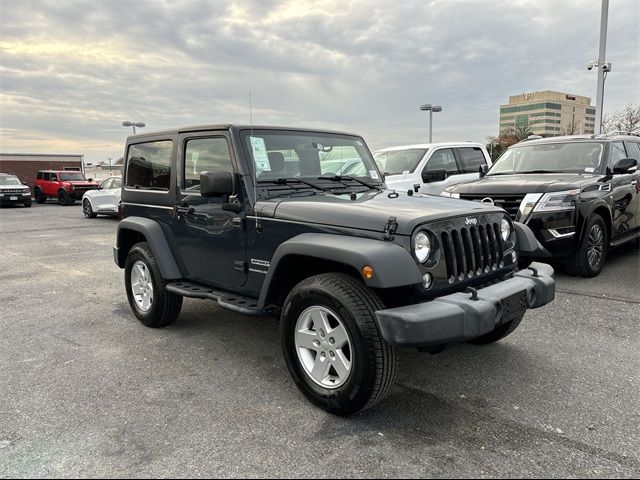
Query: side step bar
[235,303]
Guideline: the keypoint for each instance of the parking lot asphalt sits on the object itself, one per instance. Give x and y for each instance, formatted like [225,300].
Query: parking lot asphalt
[87,391]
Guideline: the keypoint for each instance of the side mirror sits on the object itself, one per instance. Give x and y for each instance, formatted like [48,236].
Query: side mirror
[483,169]
[429,176]
[625,165]
[216,184]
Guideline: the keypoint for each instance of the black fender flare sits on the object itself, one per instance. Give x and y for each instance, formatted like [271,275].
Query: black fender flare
[604,203]
[527,244]
[157,240]
[393,266]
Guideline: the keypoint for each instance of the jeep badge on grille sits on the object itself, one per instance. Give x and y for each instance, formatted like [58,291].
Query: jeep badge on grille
[471,221]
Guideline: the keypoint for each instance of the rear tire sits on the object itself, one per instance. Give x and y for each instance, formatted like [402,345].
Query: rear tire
[499,333]
[594,245]
[147,293]
[64,199]
[346,308]
[40,198]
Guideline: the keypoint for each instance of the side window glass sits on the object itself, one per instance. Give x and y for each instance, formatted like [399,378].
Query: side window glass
[471,158]
[617,153]
[117,183]
[54,177]
[106,184]
[205,155]
[39,176]
[443,160]
[149,165]
[633,150]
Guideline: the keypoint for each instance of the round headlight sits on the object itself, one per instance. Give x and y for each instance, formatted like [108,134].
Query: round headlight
[422,246]
[505,229]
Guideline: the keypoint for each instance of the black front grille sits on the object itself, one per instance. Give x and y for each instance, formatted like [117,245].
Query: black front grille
[472,251]
[511,203]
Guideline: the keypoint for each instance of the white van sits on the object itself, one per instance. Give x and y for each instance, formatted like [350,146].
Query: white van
[432,166]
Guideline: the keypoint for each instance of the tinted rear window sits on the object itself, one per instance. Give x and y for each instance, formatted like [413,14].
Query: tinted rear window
[149,165]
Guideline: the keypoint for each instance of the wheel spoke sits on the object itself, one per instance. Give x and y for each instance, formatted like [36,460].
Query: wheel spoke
[339,334]
[136,288]
[320,368]
[341,365]
[305,339]
[320,320]
[141,269]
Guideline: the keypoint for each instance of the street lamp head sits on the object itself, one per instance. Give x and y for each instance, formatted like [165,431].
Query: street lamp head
[436,108]
[426,107]
[127,124]
[140,124]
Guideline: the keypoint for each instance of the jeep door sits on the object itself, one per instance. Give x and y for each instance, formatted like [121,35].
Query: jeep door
[210,240]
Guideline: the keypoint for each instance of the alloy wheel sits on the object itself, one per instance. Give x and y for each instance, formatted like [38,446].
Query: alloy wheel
[142,286]
[595,246]
[323,347]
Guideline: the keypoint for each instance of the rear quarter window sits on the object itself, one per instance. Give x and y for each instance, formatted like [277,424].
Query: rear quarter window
[149,165]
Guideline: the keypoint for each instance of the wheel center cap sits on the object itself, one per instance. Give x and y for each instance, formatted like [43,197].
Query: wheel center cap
[325,345]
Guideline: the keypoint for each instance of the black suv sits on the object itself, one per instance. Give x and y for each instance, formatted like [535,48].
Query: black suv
[257,219]
[579,194]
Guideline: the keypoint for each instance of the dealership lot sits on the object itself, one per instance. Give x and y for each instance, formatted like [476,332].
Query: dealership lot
[88,391]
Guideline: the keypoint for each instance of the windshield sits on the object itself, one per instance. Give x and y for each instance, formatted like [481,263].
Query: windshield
[574,157]
[10,182]
[281,154]
[71,176]
[396,162]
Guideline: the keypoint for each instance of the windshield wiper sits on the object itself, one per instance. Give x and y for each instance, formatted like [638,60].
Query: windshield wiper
[287,180]
[339,178]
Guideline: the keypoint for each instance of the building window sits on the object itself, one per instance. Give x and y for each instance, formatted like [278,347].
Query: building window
[591,111]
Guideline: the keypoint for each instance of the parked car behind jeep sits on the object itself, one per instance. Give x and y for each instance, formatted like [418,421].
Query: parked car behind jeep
[431,167]
[13,191]
[578,194]
[105,200]
[65,185]
[259,220]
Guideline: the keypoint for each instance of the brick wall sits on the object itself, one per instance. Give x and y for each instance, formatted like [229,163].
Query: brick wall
[26,170]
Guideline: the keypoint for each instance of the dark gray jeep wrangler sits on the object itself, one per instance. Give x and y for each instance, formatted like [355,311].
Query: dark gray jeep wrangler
[299,224]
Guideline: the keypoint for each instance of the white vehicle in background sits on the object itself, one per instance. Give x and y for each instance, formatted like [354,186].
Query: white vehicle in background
[432,166]
[103,201]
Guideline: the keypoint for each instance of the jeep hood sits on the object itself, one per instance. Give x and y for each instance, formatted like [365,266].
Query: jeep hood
[370,210]
[492,185]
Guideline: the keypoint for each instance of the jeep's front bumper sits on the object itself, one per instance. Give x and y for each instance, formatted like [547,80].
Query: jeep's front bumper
[467,315]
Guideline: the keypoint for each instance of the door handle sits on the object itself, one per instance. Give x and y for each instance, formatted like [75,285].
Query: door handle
[184,210]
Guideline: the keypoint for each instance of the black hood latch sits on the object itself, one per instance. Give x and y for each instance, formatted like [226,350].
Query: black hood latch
[390,228]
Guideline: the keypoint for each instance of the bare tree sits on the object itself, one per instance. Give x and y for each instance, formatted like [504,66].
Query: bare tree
[627,120]
[570,128]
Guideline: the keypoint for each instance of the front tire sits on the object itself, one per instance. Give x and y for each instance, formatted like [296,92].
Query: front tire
[28,203]
[332,345]
[146,289]
[87,210]
[590,257]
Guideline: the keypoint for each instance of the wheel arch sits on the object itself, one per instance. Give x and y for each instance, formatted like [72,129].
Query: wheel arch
[604,211]
[132,230]
[311,254]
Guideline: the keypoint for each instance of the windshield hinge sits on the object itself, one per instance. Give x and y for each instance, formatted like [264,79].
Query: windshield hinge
[390,228]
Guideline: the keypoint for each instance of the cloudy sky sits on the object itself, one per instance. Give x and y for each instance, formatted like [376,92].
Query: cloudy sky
[72,71]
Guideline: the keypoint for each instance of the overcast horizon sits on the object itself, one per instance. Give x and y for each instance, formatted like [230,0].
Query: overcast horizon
[72,71]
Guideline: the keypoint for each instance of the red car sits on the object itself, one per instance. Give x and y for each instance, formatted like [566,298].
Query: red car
[67,186]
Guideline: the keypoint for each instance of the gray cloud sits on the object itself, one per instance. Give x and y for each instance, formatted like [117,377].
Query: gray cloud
[71,71]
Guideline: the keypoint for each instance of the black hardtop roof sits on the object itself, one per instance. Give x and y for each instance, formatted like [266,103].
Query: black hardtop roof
[578,138]
[237,127]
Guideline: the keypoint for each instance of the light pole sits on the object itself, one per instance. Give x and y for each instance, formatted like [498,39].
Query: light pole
[430,108]
[134,125]
[603,67]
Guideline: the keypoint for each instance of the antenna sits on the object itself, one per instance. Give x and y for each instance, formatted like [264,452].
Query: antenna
[254,174]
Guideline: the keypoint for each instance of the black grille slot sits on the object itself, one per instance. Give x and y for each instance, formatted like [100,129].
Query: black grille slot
[468,253]
[447,245]
[458,252]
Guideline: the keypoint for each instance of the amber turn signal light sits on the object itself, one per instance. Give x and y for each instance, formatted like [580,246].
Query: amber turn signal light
[367,272]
